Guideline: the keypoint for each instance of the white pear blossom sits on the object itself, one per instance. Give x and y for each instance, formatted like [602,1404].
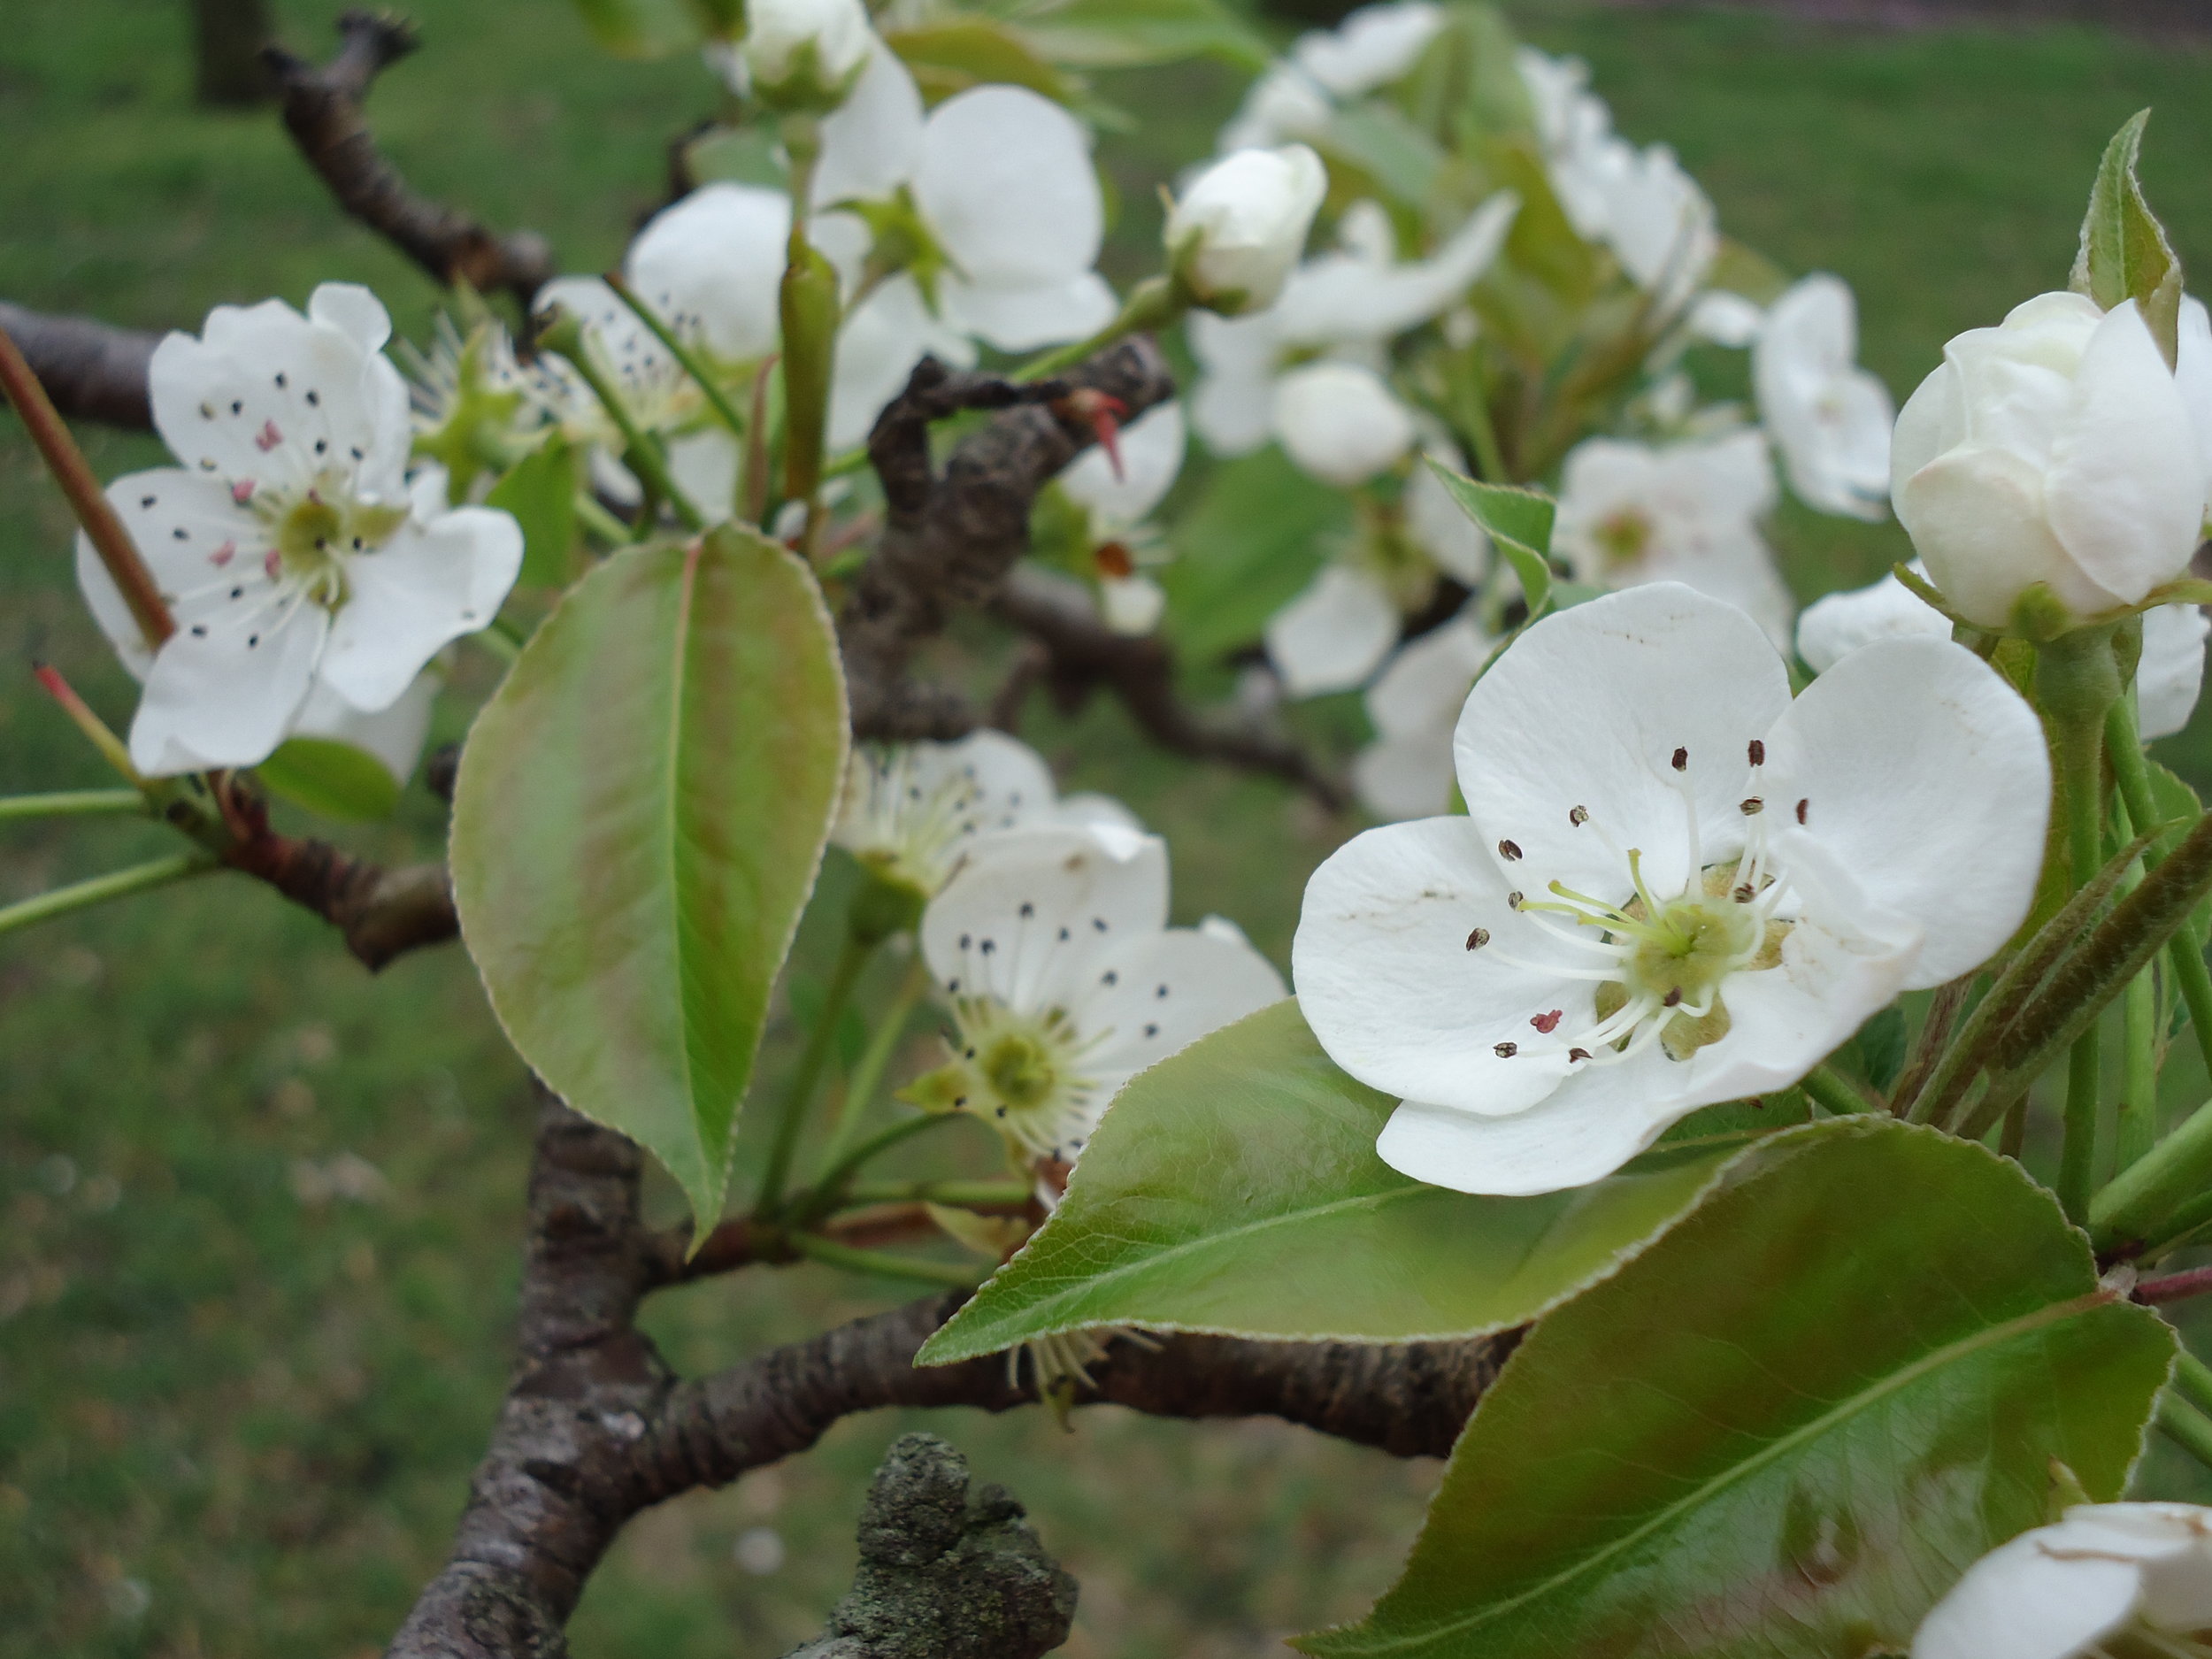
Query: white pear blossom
[1235,235]
[2055,449]
[1659,224]
[2192,375]
[292,553]
[1687,513]
[805,54]
[1052,950]
[1339,630]
[2167,678]
[911,811]
[1341,422]
[1414,705]
[1677,886]
[1115,499]
[1373,47]
[1830,419]
[996,184]
[2126,1578]
[1348,303]
[709,268]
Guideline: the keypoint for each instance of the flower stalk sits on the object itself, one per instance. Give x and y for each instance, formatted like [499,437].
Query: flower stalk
[875,1059]
[563,337]
[2132,774]
[2134,1210]
[158,872]
[883,1262]
[852,960]
[65,461]
[71,803]
[1155,303]
[686,357]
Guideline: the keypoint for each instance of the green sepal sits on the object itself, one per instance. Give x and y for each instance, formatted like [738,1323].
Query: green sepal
[540,490]
[810,308]
[946,1089]
[2124,252]
[1518,523]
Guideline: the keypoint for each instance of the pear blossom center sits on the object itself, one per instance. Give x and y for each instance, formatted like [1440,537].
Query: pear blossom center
[1023,1073]
[1624,537]
[313,532]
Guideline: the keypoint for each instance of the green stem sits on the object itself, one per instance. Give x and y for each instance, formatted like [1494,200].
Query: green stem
[717,399]
[957,1193]
[83,894]
[2131,773]
[852,958]
[2077,682]
[1473,409]
[2194,1378]
[1835,1092]
[642,452]
[497,641]
[599,521]
[2145,1196]
[1154,304]
[827,1192]
[71,803]
[2187,1427]
[816,1248]
[2137,1128]
[883,1042]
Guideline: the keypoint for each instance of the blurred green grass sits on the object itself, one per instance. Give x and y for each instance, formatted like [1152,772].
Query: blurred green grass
[259,1211]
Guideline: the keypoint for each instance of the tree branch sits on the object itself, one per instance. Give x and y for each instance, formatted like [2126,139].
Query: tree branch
[594,1428]
[951,537]
[1081,653]
[323,112]
[943,1575]
[91,371]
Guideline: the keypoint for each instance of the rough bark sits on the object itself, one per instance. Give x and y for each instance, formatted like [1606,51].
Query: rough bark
[594,1428]
[92,371]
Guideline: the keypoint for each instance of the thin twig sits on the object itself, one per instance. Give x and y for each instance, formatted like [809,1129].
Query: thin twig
[93,371]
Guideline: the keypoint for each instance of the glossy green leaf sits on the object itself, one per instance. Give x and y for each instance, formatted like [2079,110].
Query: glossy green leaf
[1123,34]
[1518,523]
[1247,546]
[540,490]
[2125,253]
[638,820]
[333,778]
[1786,1426]
[952,55]
[1234,1187]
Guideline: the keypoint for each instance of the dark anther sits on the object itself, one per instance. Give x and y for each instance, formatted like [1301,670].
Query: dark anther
[1548,1023]
[1578,815]
[1758,752]
[1577,1054]
[1027,911]
[1508,850]
[1513,901]
[1801,805]
[1681,760]
[1506,1050]
[1476,939]
[1751,806]
[1672,999]
[1744,894]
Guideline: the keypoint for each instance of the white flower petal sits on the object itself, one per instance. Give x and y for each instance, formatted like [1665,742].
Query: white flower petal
[1152,448]
[2171,673]
[1569,1140]
[1588,710]
[871,143]
[428,586]
[1442,527]
[1031,912]
[1725,319]
[1157,993]
[880,342]
[1233,407]
[1426,684]
[393,736]
[1408,776]
[354,311]
[2024,1601]
[1834,626]
[1005,182]
[1371,47]
[715,261]
[705,465]
[1091,808]
[2126,486]
[1387,982]
[1133,605]
[1020,316]
[1925,777]
[1339,422]
[2192,377]
[191,534]
[1333,635]
[228,697]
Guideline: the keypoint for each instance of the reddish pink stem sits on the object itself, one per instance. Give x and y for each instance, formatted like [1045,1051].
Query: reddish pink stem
[2174,1286]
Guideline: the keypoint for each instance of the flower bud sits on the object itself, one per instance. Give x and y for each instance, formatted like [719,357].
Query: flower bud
[2053,450]
[1339,422]
[1237,232]
[804,55]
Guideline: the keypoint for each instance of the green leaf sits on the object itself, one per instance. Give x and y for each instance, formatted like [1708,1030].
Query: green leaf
[333,778]
[540,491]
[1234,1188]
[2124,254]
[1247,546]
[1881,1046]
[644,29]
[1124,34]
[1378,141]
[1789,1424]
[952,55]
[638,820]
[1518,523]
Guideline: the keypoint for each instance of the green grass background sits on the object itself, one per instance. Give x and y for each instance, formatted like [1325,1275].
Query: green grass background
[236,1412]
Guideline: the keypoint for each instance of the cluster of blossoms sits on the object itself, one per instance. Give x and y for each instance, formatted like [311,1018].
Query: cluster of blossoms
[1043,923]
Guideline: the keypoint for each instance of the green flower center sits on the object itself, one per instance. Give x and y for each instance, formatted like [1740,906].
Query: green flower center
[1624,537]
[1019,1069]
[314,532]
